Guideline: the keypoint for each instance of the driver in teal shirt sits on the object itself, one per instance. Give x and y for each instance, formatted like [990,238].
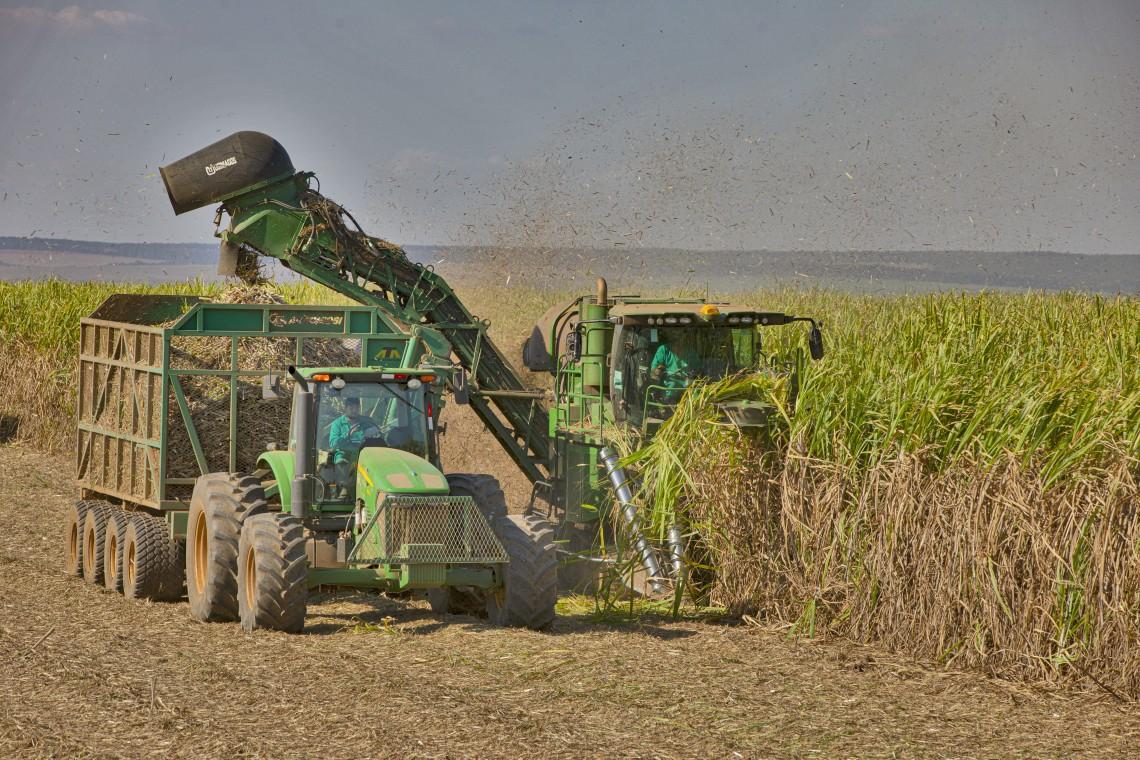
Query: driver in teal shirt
[346,437]
[672,368]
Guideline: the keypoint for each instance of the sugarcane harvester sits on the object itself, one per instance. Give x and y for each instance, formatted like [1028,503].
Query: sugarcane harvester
[359,496]
[618,362]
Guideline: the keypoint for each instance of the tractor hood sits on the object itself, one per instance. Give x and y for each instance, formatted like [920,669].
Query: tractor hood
[396,471]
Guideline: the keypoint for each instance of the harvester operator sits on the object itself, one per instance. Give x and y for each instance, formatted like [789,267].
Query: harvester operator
[674,369]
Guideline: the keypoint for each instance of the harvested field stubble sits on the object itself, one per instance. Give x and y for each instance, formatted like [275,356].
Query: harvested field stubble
[87,674]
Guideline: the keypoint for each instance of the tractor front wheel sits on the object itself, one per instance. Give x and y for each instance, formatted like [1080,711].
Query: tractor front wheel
[221,502]
[530,584]
[272,575]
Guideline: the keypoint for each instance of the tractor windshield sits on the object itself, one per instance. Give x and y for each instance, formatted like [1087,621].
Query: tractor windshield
[654,365]
[360,415]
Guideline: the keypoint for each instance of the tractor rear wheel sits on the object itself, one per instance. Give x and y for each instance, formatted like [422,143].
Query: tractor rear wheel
[530,583]
[152,560]
[113,533]
[218,506]
[272,574]
[73,537]
[94,524]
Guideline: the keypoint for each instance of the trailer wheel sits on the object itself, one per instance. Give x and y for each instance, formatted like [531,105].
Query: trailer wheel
[151,560]
[113,534]
[530,588]
[272,575]
[94,524]
[73,537]
[218,506]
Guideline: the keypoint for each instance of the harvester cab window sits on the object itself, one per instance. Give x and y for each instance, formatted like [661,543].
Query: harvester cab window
[365,415]
[654,365]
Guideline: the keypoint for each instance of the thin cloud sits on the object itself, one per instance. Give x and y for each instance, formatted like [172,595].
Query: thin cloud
[72,17]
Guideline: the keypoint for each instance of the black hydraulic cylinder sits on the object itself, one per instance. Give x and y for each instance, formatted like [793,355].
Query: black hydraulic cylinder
[227,168]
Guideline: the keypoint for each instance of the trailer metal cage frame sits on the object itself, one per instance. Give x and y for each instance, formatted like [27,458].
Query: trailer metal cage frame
[127,380]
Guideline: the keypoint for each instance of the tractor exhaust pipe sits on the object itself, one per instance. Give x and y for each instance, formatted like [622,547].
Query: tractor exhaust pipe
[303,455]
[616,474]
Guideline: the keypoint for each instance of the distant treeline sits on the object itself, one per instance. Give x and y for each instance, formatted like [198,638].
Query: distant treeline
[182,252]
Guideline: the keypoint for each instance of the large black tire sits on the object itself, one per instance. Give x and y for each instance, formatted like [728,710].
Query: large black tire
[218,506]
[272,573]
[530,588]
[113,534]
[492,503]
[484,489]
[94,523]
[152,560]
[73,537]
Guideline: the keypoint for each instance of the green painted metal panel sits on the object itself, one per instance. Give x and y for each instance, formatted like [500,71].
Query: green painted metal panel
[246,320]
[280,463]
[360,321]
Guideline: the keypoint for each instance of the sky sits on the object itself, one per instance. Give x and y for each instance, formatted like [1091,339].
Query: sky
[873,125]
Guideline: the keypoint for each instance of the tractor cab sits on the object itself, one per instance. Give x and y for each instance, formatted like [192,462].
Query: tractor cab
[358,411]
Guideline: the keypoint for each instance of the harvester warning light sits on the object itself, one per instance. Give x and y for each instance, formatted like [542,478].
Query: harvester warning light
[710,310]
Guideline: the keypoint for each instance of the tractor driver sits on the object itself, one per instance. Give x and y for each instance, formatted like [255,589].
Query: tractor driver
[346,437]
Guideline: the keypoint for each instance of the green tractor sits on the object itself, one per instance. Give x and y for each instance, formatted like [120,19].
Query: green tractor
[360,499]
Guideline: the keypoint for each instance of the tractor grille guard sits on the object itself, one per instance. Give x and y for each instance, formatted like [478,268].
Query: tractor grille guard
[427,530]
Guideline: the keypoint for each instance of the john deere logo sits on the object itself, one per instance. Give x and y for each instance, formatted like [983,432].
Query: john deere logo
[388,353]
[212,169]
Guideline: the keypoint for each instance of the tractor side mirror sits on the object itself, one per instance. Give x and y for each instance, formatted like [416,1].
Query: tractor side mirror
[815,343]
[460,391]
[271,387]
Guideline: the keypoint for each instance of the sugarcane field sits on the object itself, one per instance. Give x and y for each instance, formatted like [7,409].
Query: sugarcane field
[637,380]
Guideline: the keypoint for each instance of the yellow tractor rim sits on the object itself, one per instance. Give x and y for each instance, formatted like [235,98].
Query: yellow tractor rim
[201,552]
[129,565]
[250,578]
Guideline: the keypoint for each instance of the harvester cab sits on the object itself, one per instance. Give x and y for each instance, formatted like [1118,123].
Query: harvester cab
[627,361]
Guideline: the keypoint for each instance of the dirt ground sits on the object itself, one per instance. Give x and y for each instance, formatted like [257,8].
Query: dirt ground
[84,673]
